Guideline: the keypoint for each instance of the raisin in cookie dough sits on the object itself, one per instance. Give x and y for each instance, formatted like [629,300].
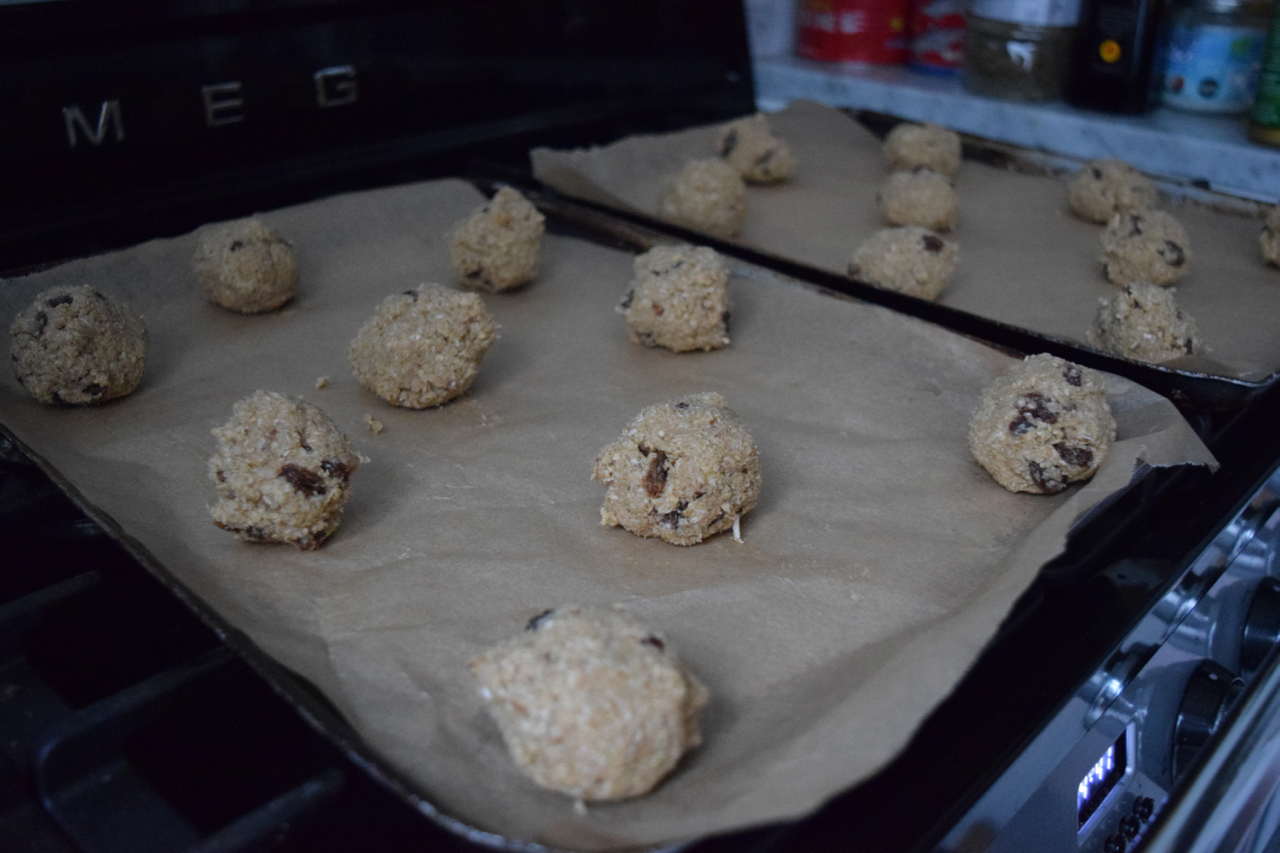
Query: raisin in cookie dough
[1148,246]
[1044,424]
[681,471]
[283,471]
[498,246]
[909,259]
[749,146]
[245,267]
[679,299]
[591,702]
[1143,322]
[422,347]
[909,146]
[707,195]
[1103,188]
[74,345]
[1269,239]
[919,197]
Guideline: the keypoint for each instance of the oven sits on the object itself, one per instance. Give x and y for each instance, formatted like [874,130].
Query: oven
[1128,701]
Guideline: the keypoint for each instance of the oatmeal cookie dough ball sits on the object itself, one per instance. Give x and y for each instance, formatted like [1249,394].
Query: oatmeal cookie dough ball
[1269,239]
[920,197]
[749,146]
[591,702]
[909,146]
[245,266]
[679,299]
[909,259]
[1147,246]
[422,347]
[283,471]
[1142,321]
[497,247]
[1042,425]
[73,345]
[1103,188]
[681,471]
[707,195]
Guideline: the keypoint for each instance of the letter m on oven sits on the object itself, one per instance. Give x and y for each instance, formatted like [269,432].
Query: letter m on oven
[108,120]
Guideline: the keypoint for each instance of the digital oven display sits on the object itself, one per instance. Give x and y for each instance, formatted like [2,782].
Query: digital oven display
[1102,778]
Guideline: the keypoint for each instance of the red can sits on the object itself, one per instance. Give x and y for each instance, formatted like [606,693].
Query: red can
[871,31]
[937,34]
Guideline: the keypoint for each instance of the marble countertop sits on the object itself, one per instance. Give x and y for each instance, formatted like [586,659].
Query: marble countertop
[1210,152]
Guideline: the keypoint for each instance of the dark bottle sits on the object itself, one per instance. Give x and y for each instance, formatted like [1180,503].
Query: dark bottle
[1264,118]
[1114,56]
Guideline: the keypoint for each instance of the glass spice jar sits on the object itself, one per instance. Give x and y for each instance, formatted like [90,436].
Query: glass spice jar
[1019,50]
[1214,54]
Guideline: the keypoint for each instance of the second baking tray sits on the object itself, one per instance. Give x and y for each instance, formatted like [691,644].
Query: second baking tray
[1029,276]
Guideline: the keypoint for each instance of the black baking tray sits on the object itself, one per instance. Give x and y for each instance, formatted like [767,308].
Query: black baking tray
[909,804]
[1191,391]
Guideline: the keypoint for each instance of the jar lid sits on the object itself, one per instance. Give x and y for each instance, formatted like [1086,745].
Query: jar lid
[1254,7]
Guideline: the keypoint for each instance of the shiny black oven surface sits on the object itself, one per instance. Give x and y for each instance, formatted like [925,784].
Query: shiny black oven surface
[131,119]
[129,725]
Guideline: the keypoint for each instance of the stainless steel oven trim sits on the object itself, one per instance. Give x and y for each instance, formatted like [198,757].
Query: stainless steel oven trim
[1229,799]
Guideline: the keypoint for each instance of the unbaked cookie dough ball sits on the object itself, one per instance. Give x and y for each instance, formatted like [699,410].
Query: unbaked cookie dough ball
[1269,239]
[422,347]
[1044,424]
[76,346]
[749,146]
[1148,246]
[909,146]
[245,266]
[1142,321]
[707,195]
[920,197]
[591,702]
[681,471]
[679,299]
[1103,188]
[283,471]
[909,259]
[497,247]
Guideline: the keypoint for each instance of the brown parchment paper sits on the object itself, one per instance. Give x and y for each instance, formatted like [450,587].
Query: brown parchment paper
[879,562]
[1025,259]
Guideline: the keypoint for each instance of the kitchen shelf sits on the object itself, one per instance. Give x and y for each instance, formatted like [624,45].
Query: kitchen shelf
[1211,152]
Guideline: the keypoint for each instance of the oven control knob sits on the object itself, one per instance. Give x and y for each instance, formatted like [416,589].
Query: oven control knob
[1129,826]
[1261,626]
[1114,843]
[1209,694]
[1144,808]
